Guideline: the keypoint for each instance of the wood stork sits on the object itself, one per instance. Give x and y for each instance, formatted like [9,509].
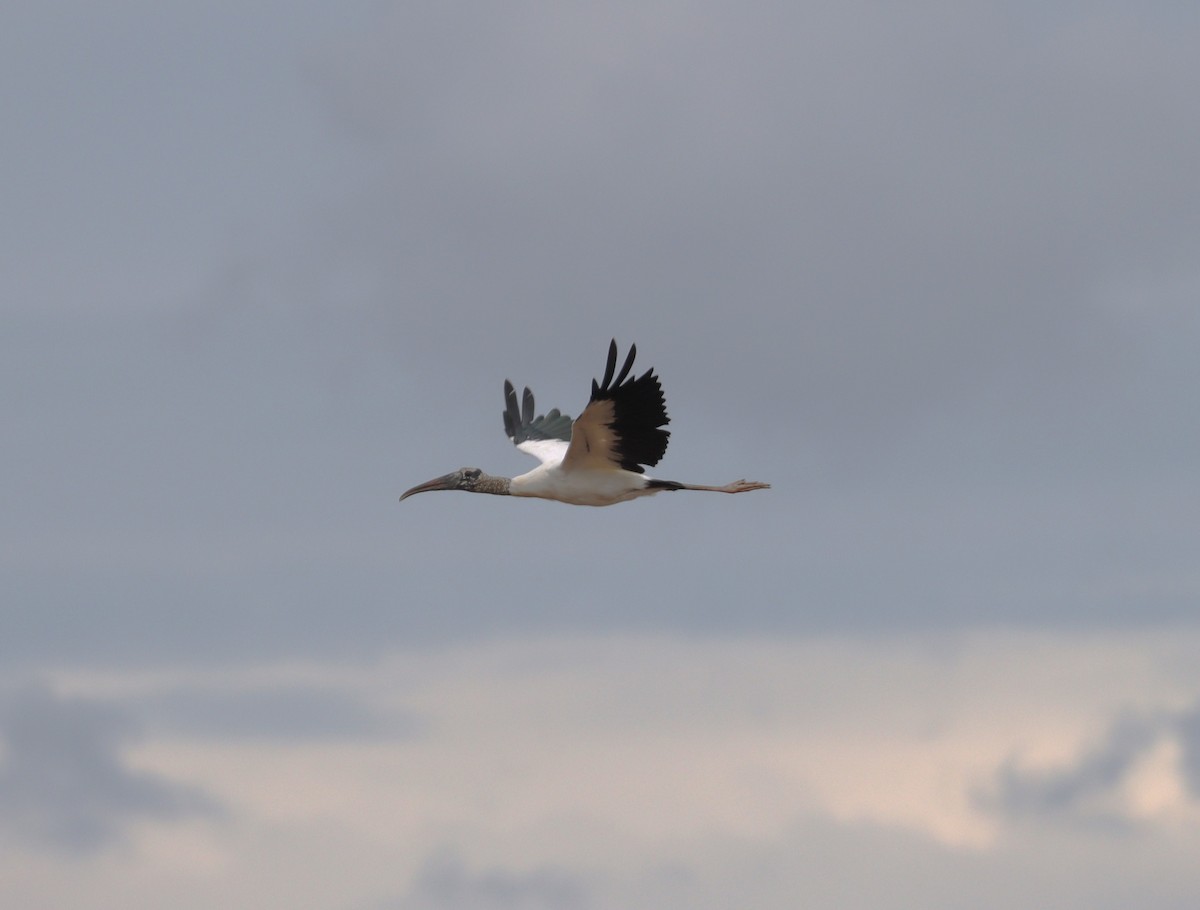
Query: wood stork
[597,459]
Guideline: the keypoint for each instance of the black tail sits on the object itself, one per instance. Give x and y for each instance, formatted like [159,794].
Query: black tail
[663,485]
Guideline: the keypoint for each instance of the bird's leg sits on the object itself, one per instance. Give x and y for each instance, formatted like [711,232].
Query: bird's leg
[738,486]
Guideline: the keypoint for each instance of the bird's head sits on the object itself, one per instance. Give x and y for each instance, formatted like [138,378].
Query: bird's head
[462,479]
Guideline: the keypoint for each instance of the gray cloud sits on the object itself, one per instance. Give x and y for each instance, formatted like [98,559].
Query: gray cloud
[925,271]
[269,713]
[1187,726]
[818,862]
[893,198]
[63,782]
[1078,792]
[445,882]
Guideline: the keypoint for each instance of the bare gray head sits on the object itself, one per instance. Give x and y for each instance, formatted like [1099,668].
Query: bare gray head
[472,480]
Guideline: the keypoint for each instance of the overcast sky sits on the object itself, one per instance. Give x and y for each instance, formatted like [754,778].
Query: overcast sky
[928,269]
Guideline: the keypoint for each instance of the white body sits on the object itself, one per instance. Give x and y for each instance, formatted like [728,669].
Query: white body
[596,482]
[581,487]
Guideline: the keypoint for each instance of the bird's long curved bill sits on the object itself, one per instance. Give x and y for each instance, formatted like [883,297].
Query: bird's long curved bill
[445,482]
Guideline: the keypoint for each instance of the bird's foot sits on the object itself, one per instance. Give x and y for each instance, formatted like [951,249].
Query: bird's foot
[745,486]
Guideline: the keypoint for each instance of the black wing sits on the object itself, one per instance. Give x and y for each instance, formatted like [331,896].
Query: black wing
[623,421]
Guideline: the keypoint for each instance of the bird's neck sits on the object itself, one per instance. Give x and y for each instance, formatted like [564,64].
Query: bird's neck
[497,486]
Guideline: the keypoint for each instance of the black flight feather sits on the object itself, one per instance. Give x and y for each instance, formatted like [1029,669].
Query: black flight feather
[639,413]
[520,424]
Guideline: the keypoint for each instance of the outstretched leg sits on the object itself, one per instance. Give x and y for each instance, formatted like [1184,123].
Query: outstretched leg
[738,486]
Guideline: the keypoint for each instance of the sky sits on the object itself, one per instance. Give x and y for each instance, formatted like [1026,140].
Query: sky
[928,269]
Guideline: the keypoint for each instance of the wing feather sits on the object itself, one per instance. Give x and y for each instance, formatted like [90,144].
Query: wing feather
[547,451]
[625,369]
[622,425]
[620,429]
[544,436]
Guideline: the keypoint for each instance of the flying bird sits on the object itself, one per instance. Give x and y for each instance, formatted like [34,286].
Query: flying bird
[595,460]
